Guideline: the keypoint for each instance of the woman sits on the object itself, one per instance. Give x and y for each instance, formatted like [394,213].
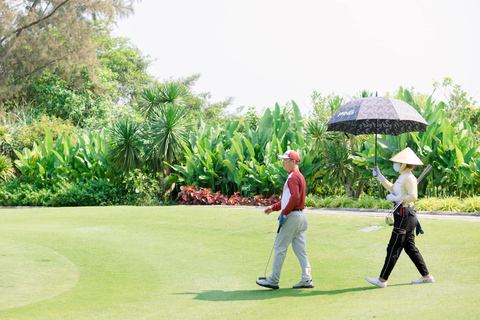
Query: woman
[405,219]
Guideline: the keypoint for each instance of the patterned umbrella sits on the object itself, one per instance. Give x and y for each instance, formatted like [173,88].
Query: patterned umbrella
[377,115]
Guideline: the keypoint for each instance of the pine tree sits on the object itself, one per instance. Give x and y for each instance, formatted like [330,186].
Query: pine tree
[55,35]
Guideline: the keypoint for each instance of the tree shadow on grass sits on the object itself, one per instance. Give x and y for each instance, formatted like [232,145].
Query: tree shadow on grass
[264,294]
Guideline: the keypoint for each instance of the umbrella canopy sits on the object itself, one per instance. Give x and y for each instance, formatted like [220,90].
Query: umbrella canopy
[377,115]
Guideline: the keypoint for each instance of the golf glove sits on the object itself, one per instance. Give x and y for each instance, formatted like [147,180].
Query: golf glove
[376,173]
[282,219]
[392,197]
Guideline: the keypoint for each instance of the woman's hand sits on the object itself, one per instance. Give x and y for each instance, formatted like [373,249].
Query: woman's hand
[392,197]
[376,173]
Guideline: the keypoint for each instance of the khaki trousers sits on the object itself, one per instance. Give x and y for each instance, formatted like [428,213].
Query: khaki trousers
[292,232]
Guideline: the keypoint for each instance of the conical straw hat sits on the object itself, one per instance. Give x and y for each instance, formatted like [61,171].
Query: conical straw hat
[407,156]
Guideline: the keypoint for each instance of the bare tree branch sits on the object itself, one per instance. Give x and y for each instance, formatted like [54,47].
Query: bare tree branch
[34,5]
[19,30]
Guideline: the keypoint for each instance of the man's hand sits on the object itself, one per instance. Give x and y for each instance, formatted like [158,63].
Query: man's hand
[282,219]
[268,210]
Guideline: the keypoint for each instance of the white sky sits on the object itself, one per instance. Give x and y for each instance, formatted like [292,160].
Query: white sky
[265,51]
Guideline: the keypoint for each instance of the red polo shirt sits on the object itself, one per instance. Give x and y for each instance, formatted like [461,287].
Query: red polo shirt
[293,196]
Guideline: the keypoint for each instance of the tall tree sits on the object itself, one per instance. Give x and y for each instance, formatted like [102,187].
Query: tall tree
[124,66]
[49,35]
[200,104]
[168,124]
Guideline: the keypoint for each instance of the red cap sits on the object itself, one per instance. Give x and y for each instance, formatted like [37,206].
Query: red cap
[290,154]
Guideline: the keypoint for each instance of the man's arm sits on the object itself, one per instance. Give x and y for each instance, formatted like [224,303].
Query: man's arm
[277,206]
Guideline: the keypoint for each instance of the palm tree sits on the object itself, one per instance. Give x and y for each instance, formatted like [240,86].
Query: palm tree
[125,142]
[164,134]
[167,125]
[170,93]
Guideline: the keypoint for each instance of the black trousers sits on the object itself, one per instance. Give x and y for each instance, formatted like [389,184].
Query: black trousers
[403,237]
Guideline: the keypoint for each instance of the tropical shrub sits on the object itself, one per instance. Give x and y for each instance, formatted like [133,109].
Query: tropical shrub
[222,159]
[191,196]
[23,135]
[7,171]
[142,189]
[67,159]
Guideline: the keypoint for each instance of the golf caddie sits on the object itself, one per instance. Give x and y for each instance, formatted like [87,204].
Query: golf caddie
[405,218]
[293,224]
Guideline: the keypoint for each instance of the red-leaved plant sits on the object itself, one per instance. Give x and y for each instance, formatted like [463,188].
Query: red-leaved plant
[203,196]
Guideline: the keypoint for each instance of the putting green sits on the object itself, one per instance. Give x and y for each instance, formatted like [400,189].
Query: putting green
[183,262]
[31,273]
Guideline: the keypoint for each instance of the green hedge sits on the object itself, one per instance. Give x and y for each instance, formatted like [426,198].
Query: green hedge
[366,202]
[65,194]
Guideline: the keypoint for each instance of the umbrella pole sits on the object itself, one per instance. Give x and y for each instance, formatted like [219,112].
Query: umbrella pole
[376,130]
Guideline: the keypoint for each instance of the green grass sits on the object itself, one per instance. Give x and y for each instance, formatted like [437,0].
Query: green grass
[449,204]
[202,263]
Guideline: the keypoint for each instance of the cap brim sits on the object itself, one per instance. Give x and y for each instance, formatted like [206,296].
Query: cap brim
[281,156]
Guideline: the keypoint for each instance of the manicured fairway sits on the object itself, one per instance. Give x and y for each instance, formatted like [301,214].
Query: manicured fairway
[202,263]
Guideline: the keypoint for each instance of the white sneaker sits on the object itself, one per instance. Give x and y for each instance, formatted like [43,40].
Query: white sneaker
[377,282]
[424,280]
[304,284]
[267,284]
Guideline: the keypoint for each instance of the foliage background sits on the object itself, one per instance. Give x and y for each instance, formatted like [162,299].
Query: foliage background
[84,111]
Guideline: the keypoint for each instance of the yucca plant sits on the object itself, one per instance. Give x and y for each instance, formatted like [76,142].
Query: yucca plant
[164,134]
[315,131]
[153,99]
[167,126]
[125,143]
[339,166]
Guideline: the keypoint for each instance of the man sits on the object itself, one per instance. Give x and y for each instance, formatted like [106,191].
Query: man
[294,224]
